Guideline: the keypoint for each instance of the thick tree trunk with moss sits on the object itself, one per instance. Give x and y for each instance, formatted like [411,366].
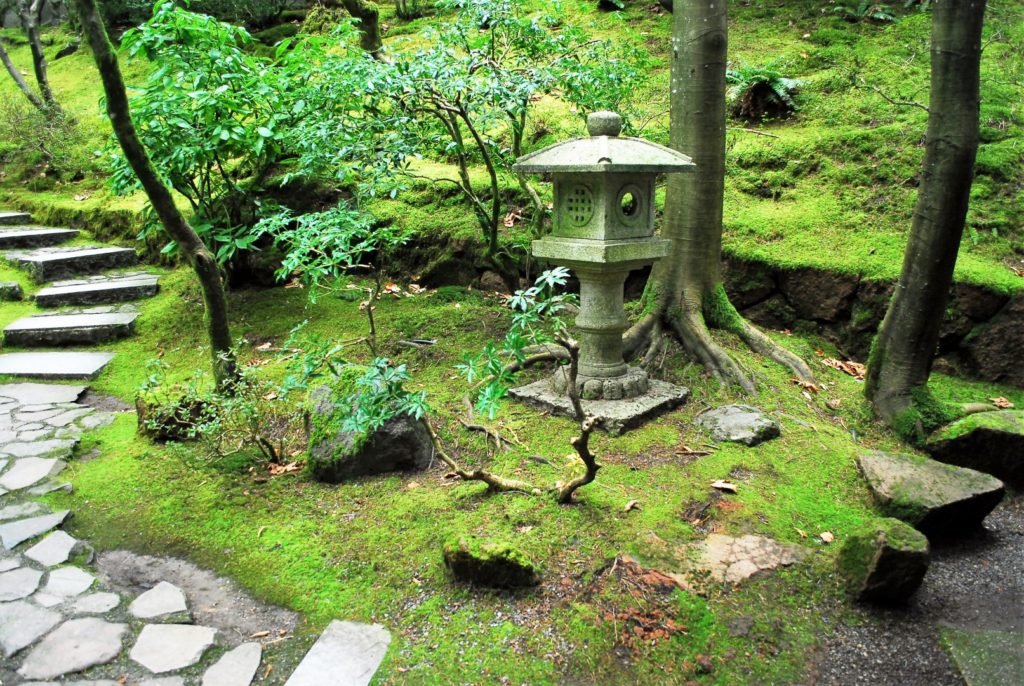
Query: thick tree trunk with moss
[368,15]
[901,359]
[685,291]
[191,245]
[30,11]
[36,101]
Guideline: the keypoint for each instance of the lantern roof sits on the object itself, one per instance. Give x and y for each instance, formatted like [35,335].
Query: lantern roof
[605,152]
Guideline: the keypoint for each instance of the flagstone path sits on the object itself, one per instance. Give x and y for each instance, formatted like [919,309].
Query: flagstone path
[59,619]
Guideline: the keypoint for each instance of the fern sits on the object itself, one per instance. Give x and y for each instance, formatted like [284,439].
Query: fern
[755,93]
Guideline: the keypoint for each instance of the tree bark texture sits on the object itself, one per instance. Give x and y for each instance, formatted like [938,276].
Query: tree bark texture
[901,358]
[30,11]
[368,15]
[36,101]
[191,245]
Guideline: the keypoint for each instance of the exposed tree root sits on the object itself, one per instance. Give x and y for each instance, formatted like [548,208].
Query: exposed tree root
[760,343]
[696,338]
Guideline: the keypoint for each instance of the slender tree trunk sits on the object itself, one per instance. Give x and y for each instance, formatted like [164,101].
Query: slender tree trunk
[685,289]
[19,81]
[192,247]
[30,11]
[901,359]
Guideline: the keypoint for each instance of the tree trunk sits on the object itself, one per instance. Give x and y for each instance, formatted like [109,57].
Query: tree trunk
[30,11]
[685,290]
[191,245]
[368,15]
[901,358]
[20,82]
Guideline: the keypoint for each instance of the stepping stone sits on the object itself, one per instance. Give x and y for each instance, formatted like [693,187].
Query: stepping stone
[41,393]
[161,600]
[933,497]
[168,647]
[49,264]
[47,599]
[9,218]
[11,291]
[7,564]
[18,584]
[990,442]
[235,668]
[13,533]
[732,560]
[49,487]
[346,653]
[739,424]
[96,292]
[96,603]
[19,510]
[72,647]
[61,447]
[57,365]
[164,681]
[22,623]
[53,550]
[29,471]
[68,582]
[34,237]
[85,327]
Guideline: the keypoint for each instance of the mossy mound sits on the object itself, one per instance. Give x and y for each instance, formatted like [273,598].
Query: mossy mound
[489,563]
[991,442]
[884,562]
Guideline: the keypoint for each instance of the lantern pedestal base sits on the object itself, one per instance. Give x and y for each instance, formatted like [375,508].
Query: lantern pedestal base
[619,415]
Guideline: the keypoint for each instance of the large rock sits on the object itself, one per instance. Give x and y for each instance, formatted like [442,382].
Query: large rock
[992,351]
[991,442]
[489,563]
[933,497]
[739,424]
[884,562]
[335,455]
[818,294]
[346,653]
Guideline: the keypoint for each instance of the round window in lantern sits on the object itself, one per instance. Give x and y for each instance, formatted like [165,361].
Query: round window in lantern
[630,203]
[579,205]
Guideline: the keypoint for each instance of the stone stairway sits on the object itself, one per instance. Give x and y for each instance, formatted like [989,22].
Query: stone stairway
[61,621]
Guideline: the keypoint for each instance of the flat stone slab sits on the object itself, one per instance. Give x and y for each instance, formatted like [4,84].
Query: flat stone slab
[990,442]
[55,365]
[63,329]
[22,624]
[933,497]
[53,550]
[34,237]
[96,603]
[73,646]
[48,264]
[19,530]
[19,583]
[68,582]
[346,653]
[28,471]
[236,667]
[9,563]
[9,218]
[167,647]
[161,600]
[104,289]
[732,560]
[986,658]
[619,415]
[19,510]
[739,424]
[54,448]
[41,393]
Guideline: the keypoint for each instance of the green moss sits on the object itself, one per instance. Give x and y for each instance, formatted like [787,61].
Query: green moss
[1007,421]
[863,547]
[925,414]
[489,563]
[720,312]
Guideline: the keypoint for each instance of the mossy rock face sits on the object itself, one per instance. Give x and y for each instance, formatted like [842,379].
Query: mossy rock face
[990,442]
[936,498]
[885,562]
[489,563]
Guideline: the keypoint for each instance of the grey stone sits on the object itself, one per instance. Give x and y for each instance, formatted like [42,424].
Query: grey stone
[96,603]
[49,486]
[53,550]
[884,561]
[63,329]
[164,681]
[13,533]
[19,583]
[168,647]
[19,510]
[9,563]
[159,601]
[739,424]
[933,497]
[22,623]
[37,435]
[34,237]
[69,416]
[29,471]
[10,291]
[990,442]
[346,653]
[54,365]
[40,393]
[14,218]
[96,682]
[618,415]
[235,668]
[68,582]
[110,290]
[72,647]
[47,599]
[60,447]
[47,264]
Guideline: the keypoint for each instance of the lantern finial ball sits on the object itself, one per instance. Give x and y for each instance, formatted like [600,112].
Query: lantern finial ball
[604,124]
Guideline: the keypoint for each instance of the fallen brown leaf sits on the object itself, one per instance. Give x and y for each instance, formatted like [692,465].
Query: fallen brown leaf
[631,505]
[854,369]
[1002,403]
[724,486]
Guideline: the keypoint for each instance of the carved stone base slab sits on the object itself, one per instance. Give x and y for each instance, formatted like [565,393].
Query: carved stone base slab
[619,415]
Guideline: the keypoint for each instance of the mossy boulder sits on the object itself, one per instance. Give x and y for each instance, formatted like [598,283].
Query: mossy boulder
[937,499]
[739,424]
[489,563]
[10,291]
[990,442]
[335,455]
[884,562]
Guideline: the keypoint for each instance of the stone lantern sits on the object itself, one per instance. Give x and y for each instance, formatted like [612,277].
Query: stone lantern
[603,229]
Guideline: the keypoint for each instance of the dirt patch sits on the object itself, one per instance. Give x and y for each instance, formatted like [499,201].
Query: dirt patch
[103,402]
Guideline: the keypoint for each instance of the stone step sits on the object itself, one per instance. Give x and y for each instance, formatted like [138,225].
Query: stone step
[96,325]
[48,264]
[98,290]
[8,218]
[34,237]
[55,365]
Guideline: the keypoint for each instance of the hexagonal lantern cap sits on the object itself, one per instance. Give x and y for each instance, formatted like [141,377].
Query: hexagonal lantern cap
[605,152]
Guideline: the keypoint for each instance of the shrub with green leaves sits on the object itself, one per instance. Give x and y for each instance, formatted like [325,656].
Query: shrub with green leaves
[757,93]
[251,12]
